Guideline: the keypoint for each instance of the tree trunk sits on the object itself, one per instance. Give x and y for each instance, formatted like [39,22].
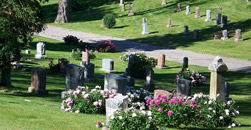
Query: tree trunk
[5,77]
[63,12]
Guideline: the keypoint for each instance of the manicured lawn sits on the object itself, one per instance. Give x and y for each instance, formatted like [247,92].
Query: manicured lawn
[156,14]
[43,111]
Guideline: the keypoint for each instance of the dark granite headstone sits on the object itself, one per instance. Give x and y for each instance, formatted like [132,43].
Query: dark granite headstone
[185,63]
[62,63]
[149,84]
[227,91]
[196,34]
[218,18]
[74,77]
[224,21]
[186,31]
[184,87]
[88,71]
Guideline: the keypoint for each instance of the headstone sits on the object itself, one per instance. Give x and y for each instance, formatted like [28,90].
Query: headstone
[113,81]
[131,58]
[145,29]
[186,31]
[248,0]
[38,81]
[238,35]
[27,51]
[130,81]
[90,11]
[163,2]
[179,7]
[197,12]
[208,16]
[88,71]
[72,50]
[108,65]
[40,51]
[224,35]
[74,78]
[85,56]
[217,80]
[224,21]
[195,34]
[62,63]
[78,49]
[187,10]
[113,104]
[218,18]
[184,87]
[169,23]
[161,61]
[227,98]
[123,7]
[162,93]
[121,2]
[149,84]
[185,63]
[130,13]
[102,23]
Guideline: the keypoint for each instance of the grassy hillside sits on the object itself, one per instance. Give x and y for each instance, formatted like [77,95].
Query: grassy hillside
[156,14]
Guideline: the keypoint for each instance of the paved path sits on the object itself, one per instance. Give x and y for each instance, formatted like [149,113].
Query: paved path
[171,54]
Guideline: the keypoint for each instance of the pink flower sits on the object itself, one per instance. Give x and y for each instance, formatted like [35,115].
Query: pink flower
[148,100]
[86,96]
[159,96]
[152,102]
[112,96]
[163,101]
[202,118]
[180,101]
[179,94]
[186,102]
[174,91]
[219,32]
[157,102]
[169,113]
[95,103]
[163,97]
[192,101]
[150,106]
[170,42]
[96,51]
[159,110]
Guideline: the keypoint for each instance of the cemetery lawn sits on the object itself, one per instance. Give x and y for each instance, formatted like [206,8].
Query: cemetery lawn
[130,28]
[43,112]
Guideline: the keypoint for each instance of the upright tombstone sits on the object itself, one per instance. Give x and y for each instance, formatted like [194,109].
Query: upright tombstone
[27,51]
[185,63]
[217,80]
[224,21]
[85,57]
[238,35]
[62,63]
[113,81]
[72,51]
[113,104]
[224,35]
[197,12]
[179,7]
[186,31]
[187,10]
[145,29]
[123,7]
[40,51]
[162,93]
[184,87]
[38,81]
[149,84]
[195,34]
[121,3]
[90,11]
[208,16]
[169,23]
[74,78]
[108,65]
[161,61]
[102,23]
[131,58]
[131,13]
[163,2]
[88,71]
[218,18]
[227,98]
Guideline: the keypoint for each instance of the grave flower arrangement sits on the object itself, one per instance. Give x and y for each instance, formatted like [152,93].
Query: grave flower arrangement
[82,100]
[195,77]
[77,55]
[218,35]
[138,98]
[106,46]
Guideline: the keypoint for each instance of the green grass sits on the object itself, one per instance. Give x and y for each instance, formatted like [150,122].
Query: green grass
[130,28]
[43,112]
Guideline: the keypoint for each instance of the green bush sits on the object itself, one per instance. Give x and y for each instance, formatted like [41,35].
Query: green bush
[71,40]
[109,20]
[54,68]
[248,6]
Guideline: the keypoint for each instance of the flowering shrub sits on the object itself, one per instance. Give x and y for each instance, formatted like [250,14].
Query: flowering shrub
[137,98]
[78,55]
[106,46]
[131,120]
[196,78]
[82,100]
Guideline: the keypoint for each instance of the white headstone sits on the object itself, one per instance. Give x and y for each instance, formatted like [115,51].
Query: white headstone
[40,51]
[224,35]
[145,29]
[208,16]
[108,65]
[187,10]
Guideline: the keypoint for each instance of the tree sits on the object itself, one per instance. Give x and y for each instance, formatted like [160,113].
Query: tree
[63,11]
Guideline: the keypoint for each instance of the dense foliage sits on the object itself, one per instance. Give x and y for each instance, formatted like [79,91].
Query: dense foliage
[195,77]
[76,5]
[71,40]
[109,20]
[106,46]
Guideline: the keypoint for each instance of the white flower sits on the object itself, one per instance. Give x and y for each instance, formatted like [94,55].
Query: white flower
[205,102]
[228,102]
[150,118]
[120,117]
[77,111]
[200,95]
[209,116]
[226,110]
[229,127]
[218,95]
[221,117]
[210,102]
[142,108]
[210,108]
[138,103]
[214,111]
[233,125]
[233,114]
[143,112]
[134,114]
[112,117]
[195,96]
[237,112]
[149,113]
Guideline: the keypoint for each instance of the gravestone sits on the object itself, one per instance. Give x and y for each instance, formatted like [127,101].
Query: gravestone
[74,78]
[131,13]
[238,35]
[113,104]
[187,10]
[40,51]
[72,51]
[217,80]
[179,7]
[38,81]
[185,63]
[27,51]
[149,84]
[163,2]
[186,31]
[78,49]
[113,81]
[62,63]
[131,58]
[227,98]
[123,7]
[144,24]
[108,65]
[224,35]
[195,34]
[224,21]
[208,16]
[162,93]
[197,12]
[121,2]
[130,81]
[169,23]
[102,23]
[88,71]
[184,87]
[85,57]
[161,61]
[90,11]
[218,18]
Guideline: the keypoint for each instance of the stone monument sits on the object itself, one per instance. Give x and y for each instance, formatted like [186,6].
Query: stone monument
[145,29]
[131,13]
[187,10]
[218,18]
[113,81]
[108,65]
[186,31]
[88,71]
[208,16]
[161,61]
[162,93]
[195,34]
[238,35]
[224,35]
[169,23]
[149,84]
[38,81]
[224,21]
[185,63]
[184,87]
[197,15]
[40,51]
[163,2]
[62,63]
[179,7]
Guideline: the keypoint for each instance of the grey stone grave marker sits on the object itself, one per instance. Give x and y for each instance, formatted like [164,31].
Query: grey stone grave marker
[149,84]
[195,34]
[218,18]
[238,35]
[227,98]
[186,31]
[131,13]
[224,34]
[113,81]
[108,65]
[185,63]
[161,61]
[187,10]
[208,16]
[163,2]
[40,51]
[224,21]
[197,12]
[62,62]
[38,81]
[169,23]
[145,29]
[179,7]
[88,71]
[90,11]
[184,87]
